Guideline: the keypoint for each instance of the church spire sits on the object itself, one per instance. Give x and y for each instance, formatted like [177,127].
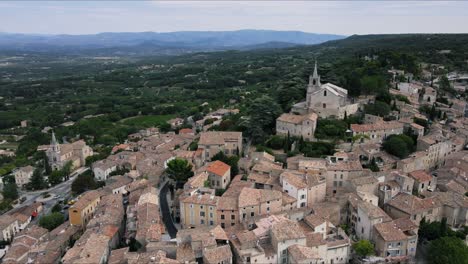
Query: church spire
[54,140]
[315,75]
[314,79]
[54,144]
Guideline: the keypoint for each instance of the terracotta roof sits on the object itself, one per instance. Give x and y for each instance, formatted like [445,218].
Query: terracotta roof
[345,166]
[301,253]
[287,230]
[411,204]
[227,203]
[314,220]
[217,254]
[376,126]
[297,119]
[315,239]
[218,138]
[185,253]
[252,197]
[373,211]
[294,180]
[420,176]
[389,231]
[218,168]
[86,199]
[185,131]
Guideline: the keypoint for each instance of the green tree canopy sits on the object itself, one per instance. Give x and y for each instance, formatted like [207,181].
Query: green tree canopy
[51,221]
[263,113]
[448,250]
[399,145]
[37,180]
[378,108]
[363,248]
[10,191]
[180,170]
[84,182]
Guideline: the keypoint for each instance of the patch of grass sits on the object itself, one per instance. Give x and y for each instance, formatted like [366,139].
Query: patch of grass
[147,120]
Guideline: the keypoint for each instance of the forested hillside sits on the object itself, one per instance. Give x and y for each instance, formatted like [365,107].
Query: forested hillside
[48,90]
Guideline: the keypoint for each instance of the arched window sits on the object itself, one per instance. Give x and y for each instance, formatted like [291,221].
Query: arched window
[325,93]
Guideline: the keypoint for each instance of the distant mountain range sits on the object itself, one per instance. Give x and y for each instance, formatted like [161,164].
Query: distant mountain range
[145,43]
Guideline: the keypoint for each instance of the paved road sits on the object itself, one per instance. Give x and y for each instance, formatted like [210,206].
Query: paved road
[63,189]
[166,214]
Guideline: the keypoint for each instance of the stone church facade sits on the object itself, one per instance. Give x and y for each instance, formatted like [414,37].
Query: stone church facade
[59,154]
[322,100]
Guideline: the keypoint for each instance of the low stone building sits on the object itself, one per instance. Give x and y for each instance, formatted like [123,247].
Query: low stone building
[297,125]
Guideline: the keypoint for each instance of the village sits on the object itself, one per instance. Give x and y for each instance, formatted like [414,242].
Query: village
[204,196]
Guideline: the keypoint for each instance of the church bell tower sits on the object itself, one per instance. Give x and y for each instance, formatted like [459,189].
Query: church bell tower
[314,84]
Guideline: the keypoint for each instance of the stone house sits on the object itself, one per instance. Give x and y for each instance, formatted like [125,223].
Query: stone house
[396,239]
[409,206]
[297,125]
[212,142]
[376,132]
[423,181]
[219,174]
[307,189]
[23,175]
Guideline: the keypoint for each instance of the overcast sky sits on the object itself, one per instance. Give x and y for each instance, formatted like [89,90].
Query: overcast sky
[347,18]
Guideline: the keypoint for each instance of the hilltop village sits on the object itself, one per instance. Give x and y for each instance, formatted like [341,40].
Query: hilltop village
[203,196]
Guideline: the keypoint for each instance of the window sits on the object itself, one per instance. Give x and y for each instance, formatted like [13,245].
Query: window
[303,196]
[324,105]
[222,217]
[202,222]
[233,217]
[325,93]
[202,214]
[252,214]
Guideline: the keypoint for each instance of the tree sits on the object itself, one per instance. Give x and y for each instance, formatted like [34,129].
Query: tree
[51,221]
[56,208]
[276,142]
[83,182]
[10,191]
[448,250]
[399,145]
[66,169]
[37,180]
[373,165]
[444,84]
[363,248]
[263,113]
[180,170]
[378,108]
[56,177]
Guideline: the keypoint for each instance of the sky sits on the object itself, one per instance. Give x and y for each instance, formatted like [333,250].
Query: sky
[345,18]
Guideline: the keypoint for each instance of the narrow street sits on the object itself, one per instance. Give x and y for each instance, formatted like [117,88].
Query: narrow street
[166,213]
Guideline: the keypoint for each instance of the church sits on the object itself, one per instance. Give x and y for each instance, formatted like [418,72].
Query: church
[322,100]
[326,100]
[59,154]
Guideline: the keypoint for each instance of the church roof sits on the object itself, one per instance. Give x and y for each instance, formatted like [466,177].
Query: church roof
[297,119]
[333,89]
